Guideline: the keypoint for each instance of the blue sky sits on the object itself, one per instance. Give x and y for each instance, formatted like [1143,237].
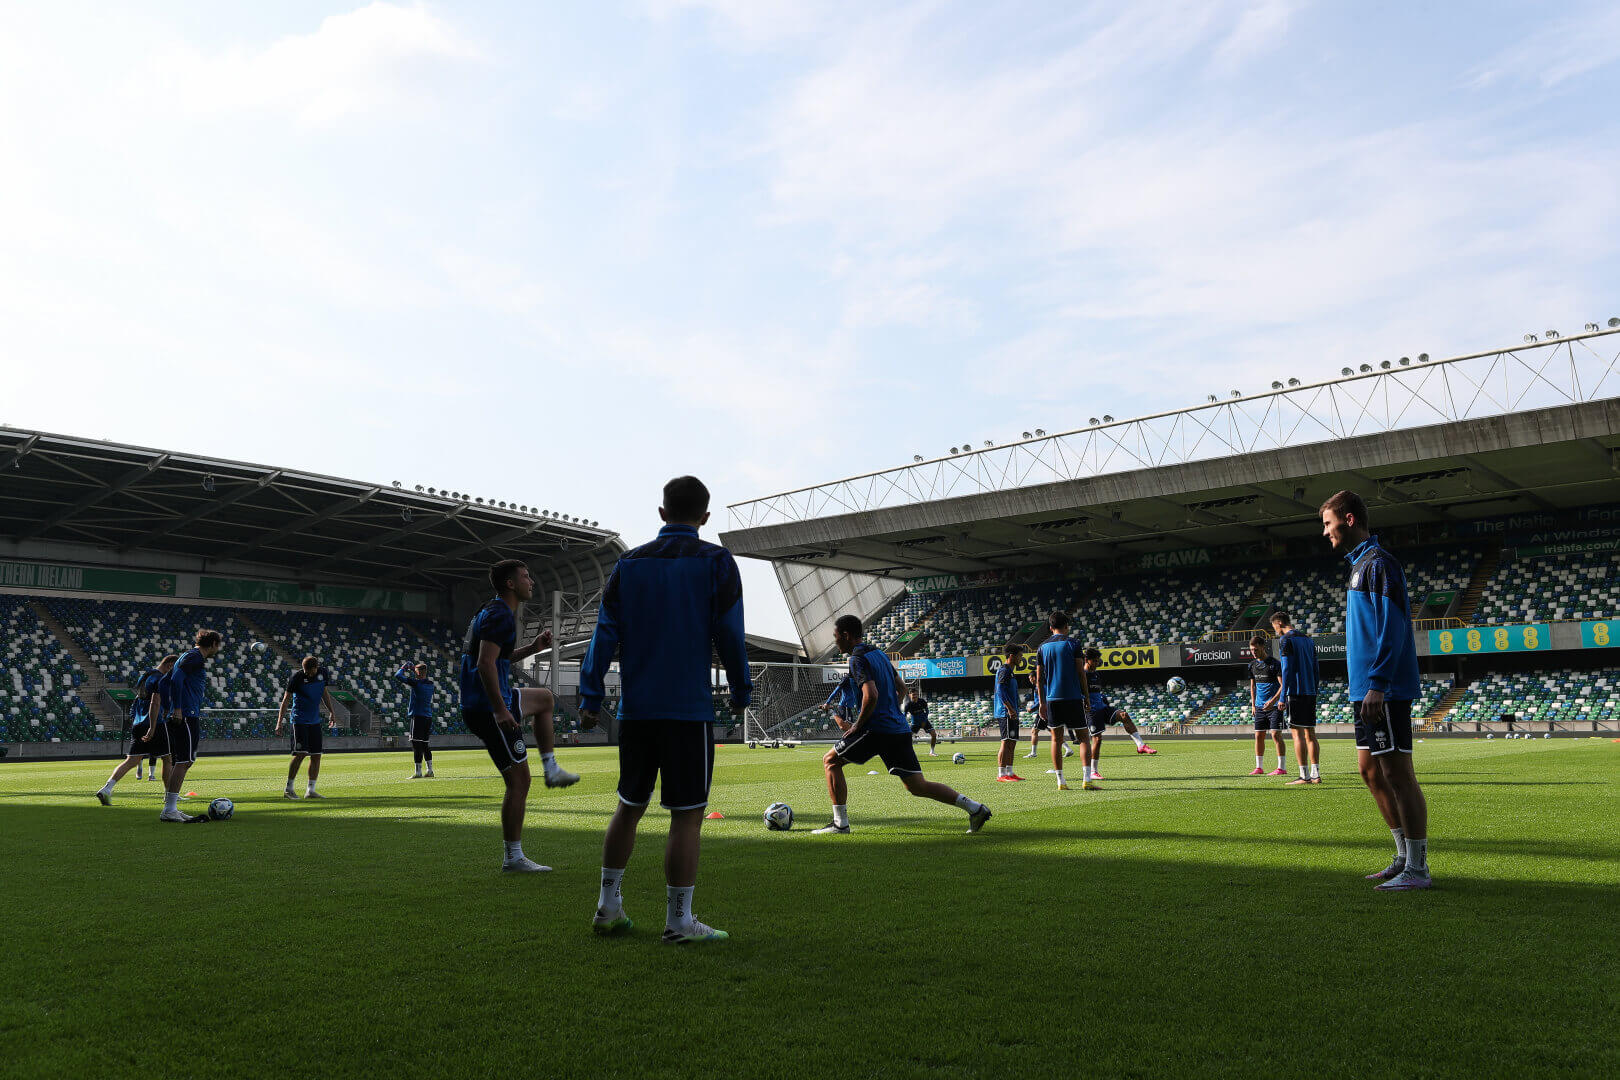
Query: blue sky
[556,253]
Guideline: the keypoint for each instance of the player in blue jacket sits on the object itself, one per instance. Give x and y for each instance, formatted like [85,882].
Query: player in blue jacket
[415,676]
[841,703]
[1381,656]
[668,607]
[148,734]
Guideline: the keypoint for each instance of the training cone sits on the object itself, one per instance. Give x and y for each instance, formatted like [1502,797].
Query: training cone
[714,815]
[191,794]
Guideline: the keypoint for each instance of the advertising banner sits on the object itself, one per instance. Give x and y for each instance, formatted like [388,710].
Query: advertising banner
[335,596]
[1491,639]
[1172,560]
[1217,653]
[949,667]
[986,579]
[1542,551]
[1604,634]
[1117,657]
[28,575]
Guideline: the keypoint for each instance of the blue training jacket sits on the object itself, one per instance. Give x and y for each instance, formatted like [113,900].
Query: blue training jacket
[666,605]
[421,691]
[1381,651]
[842,699]
[1297,653]
[868,664]
[188,684]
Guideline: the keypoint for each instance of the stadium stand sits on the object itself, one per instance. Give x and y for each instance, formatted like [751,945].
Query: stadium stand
[39,701]
[1560,696]
[1333,703]
[1584,585]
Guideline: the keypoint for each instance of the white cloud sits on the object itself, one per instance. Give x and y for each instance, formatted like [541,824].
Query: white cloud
[353,64]
[1559,52]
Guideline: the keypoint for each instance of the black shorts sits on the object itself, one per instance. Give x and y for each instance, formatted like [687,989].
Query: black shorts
[678,754]
[506,748]
[306,739]
[183,736]
[1269,720]
[1101,718]
[1009,728]
[1067,713]
[158,745]
[1302,711]
[893,747]
[421,728]
[1389,728]
[922,725]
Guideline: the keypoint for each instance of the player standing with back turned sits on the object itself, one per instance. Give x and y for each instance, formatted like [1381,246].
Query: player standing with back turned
[1381,654]
[665,607]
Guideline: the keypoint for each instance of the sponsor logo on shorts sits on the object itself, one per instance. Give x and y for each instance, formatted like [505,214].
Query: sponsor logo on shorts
[517,746]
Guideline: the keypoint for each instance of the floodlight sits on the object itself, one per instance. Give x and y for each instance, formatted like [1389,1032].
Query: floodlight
[1366,368]
[1211,397]
[208,482]
[1346,371]
[1027,434]
[988,443]
[405,514]
[418,487]
[1529,337]
[1237,393]
[1384,364]
[398,484]
[1591,326]
[1107,419]
[1423,358]
[1275,385]
[1550,334]
[916,457]
[1614,323]
[1093,421]
[1293,382]
[955,449]
[479,500]
[1406,361]
[1042,431]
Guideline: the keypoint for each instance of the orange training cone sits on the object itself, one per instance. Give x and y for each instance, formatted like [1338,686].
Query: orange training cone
[714,815]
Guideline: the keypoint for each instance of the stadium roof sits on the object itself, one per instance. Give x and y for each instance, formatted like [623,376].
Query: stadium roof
[1545,459]
[132,501]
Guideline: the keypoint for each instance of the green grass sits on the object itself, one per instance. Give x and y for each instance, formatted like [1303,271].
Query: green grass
[1186,920]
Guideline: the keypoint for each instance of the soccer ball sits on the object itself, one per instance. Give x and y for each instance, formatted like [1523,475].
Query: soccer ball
[1490,735]
[1177,685]
[221,809]
[958,759]
[259,647]
[779,817]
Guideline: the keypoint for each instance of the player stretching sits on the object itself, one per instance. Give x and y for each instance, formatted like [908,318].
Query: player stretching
[1265,697]
[307,690]
[1065,705]
[916,709]
[1381,656]
[494,711]
[1006,714]
[148,736]
[841,703]
[416,677]
[1296,652]
[665,607]
[880,730]
[1103,714]
[188,682]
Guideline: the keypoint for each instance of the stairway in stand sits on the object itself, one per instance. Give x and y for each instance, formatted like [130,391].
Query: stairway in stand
[1483,573]
[95,680]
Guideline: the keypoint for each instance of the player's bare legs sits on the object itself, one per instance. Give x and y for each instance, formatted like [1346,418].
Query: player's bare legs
[292,772]
[1129,725]
[314,770]
[515,803]
[838,792]
[681,850]
[1372,774]
[1034,741]
[538,704]
[977,812]
[1259,753]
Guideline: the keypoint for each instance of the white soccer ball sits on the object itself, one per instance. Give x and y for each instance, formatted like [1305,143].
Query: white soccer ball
[958,759]
[779,817]
[259,647]
[221,809]
[1177,685]
[1490,735]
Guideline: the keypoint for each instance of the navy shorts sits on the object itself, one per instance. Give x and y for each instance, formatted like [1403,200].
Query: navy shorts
[1101,718]
[1302,711]
[1069,714]
[676,754]
[183,736]
[306,739]
[158,744]
[506,748]
[921,724]
[893,747]
[421,728]
[1385,729]
[1269,720]
[1009,727]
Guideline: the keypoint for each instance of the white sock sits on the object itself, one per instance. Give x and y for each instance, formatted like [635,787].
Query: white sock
[1259,761]
[309,788]
[514,850]
[678,914]
[611,899]
[1282,762]
[289,787]
[171,801]
[1091,772]
[1400,843]
[1304,771]
[1417,855]
[1136,737]
[841,815]
[549,762]
[1315,773]
[968,804]
[106,789]
[1059,776]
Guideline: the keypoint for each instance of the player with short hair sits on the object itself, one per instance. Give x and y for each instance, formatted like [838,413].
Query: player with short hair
[668,607]
[1103,714]
[1064,701]
[1005,711]
[494,710]
[1381,656]
[309,688]
[187,685]
[916,710]
[415,676]
[1265,698]
[1296,652]
[148,735]
[880,730]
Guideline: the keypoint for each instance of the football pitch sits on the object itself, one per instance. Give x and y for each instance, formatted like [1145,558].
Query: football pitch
[1185,920]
